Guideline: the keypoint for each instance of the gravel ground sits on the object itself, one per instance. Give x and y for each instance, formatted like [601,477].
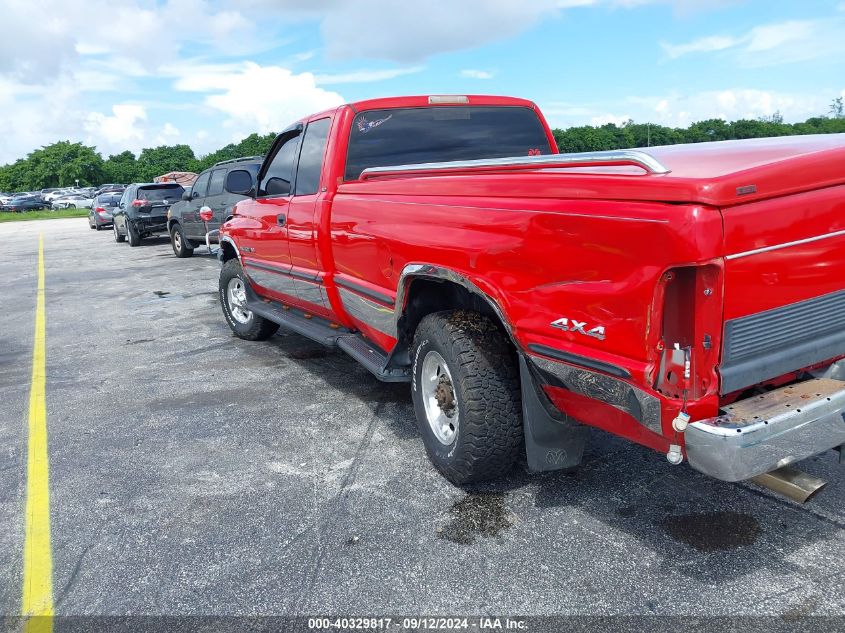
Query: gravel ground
[192,473]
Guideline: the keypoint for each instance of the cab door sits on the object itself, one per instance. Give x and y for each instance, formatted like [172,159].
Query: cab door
[260,227]
[306,269]
[213,200]
[191,210]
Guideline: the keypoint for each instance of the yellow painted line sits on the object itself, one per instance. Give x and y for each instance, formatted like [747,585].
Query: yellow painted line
[37,603]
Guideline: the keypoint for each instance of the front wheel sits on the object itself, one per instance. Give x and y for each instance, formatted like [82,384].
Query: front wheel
[181,247]
[117,236]
[466,396]
[233,298]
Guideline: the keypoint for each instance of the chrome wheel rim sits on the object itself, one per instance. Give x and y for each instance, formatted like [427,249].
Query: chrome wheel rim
[236,296]
[439,400]
[177,242]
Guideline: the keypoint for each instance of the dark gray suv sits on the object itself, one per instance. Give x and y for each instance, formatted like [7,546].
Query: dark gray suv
[209,202]
[142,210]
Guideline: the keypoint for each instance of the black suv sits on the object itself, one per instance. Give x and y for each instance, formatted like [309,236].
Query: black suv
[142,210]
[209,202]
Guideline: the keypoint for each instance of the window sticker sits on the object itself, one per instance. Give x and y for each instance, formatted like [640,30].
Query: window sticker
[365,126]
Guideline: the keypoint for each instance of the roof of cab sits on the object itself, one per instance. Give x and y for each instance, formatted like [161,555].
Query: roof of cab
[418,101]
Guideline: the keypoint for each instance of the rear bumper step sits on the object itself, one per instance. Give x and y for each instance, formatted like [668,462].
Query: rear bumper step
[764,433]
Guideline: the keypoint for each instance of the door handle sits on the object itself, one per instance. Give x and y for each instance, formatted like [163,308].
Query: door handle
[281,219]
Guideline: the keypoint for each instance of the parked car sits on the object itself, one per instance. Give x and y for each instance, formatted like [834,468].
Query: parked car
[142,211]
[108,188]
[72,201]
[26,203]
[687,298]
[209,203]
[100,216]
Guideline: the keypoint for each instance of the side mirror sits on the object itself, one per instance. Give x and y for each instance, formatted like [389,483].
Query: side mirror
[186,195]
[239,181]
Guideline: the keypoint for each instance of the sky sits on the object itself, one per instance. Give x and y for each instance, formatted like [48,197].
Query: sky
[129,74]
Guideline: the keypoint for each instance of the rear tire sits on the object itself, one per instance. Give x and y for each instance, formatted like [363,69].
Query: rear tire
[181,247]
[466,394]
[132,234]
[117,236]
[233,292]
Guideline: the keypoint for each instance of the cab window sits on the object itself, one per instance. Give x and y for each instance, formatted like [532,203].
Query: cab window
[215,185]
[200,186]
[311,157]
[279,174]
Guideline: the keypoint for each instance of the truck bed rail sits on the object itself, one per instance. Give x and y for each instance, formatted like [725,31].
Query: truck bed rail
[612,158]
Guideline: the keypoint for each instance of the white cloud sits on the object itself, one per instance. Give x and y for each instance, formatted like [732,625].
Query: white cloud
[604,119]
[122,128]
[410,32]
[773,44]
[42,40]
[366,76]
[477,74]
[681,109]
[702,45]
[259,98]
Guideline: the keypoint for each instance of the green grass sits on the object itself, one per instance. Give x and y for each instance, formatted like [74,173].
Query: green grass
[10,216]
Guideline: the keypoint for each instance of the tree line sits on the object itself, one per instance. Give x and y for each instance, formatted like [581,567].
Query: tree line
[62,164]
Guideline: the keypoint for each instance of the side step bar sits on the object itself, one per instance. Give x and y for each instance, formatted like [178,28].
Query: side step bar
[372,358]
[319,330]
[316,329]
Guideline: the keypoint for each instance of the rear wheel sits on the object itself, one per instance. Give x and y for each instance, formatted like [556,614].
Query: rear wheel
[117,236]
[233,298]
[466,396]
[181,246]
[132,234]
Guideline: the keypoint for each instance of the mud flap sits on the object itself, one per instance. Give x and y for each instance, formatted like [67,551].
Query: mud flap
[552,442]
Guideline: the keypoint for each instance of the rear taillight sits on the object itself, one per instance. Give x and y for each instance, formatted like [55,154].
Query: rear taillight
[691,331]
[138,203]
[100,210]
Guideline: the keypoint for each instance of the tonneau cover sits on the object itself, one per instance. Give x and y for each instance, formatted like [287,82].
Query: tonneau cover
[723,173]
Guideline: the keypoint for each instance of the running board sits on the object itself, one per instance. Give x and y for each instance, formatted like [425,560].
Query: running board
[315,328]
[372,358]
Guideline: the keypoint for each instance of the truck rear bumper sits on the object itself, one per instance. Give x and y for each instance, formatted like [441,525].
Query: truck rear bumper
[762,433]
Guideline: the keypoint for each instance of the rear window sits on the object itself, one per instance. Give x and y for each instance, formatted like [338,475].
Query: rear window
[405,136]
[109,199]
[159,194]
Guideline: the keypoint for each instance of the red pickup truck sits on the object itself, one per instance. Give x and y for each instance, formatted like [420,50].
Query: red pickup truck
[688,298]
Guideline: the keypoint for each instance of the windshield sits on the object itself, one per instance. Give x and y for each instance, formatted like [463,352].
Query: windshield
[404,136]
[160,194]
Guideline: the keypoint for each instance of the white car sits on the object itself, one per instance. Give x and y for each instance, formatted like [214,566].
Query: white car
[69,201]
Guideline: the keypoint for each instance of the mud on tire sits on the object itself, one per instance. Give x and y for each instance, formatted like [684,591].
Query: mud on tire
[485,384]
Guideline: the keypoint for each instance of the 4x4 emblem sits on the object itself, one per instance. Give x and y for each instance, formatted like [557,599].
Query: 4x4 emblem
[571,325]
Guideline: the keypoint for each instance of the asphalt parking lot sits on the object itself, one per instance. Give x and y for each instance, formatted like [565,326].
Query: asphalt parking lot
[195,473]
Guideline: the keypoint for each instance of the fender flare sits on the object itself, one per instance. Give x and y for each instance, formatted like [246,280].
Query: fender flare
[431,271]
[225,239]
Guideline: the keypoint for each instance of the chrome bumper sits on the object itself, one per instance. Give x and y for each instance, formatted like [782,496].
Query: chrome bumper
[762,433]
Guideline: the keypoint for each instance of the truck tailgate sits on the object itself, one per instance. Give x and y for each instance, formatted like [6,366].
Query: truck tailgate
[784,286]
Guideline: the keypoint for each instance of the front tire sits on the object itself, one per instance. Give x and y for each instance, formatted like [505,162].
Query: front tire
[117,236]
[466,395]
[233,295]
[181,247]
